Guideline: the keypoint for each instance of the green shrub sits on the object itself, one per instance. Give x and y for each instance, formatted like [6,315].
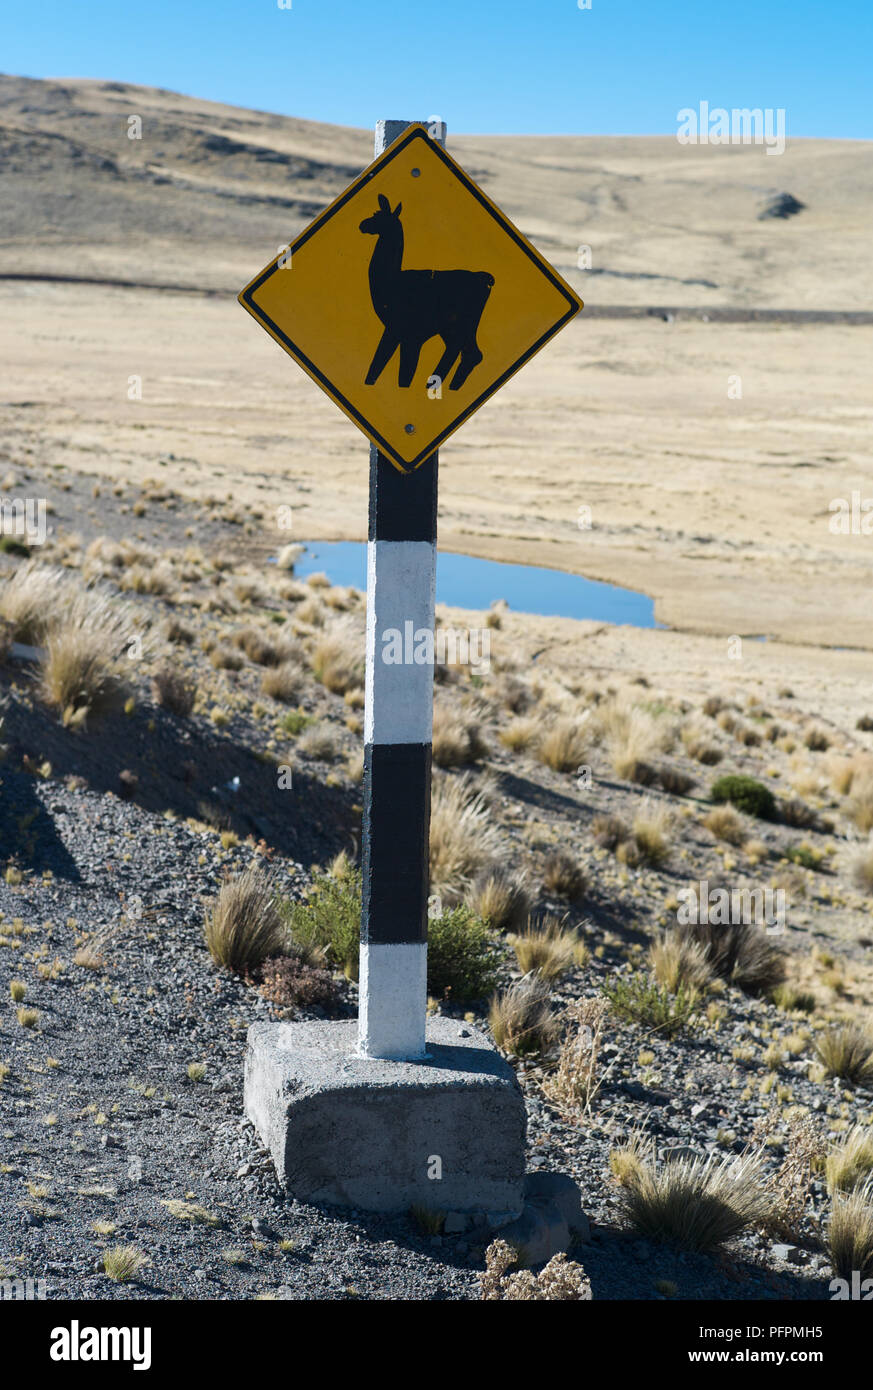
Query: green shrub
[461,957]
[746,794]
[639,999]
[329,921]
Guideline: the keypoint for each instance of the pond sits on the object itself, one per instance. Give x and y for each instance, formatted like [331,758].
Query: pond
[465,581]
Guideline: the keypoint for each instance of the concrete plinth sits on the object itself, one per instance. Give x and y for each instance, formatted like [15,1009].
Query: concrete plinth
[446,1132]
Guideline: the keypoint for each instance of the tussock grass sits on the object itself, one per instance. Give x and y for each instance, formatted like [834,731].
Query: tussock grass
[499,898]
[122,1263]
[698,1204]
[192,1212]
[564,877]
[633,737]
[282,682]
[522,1019]
[17,990]
[724,823]
[545,946]
[243,926]
[464,839]
[80,673]
[850,1231]
[862,869]
[677,962]
[651,827]
[520,734]
[28,1018]
[456,741]
[320,742]
[563,745]
[850,1162]
[174,691]
[739,953]
[609,831]
[845,1050]
[338,657]
[226,658]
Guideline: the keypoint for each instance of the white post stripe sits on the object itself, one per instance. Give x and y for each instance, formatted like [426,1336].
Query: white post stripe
[400,619]
[393,1000]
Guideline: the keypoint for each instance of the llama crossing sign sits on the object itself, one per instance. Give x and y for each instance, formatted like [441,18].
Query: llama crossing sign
[411,299]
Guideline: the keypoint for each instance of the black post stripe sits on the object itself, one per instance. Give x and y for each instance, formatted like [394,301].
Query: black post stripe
[403,506]
[396,842]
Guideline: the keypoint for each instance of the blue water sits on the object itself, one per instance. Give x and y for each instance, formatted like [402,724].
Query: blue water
[465,581]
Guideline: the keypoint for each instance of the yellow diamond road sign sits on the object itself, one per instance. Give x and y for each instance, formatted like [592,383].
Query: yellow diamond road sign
[411,299]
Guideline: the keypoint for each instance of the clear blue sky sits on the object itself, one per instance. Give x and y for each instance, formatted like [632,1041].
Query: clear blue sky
[538,66]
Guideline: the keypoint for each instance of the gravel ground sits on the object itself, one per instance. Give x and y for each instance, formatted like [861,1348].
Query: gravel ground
[112,838]
[100,1122]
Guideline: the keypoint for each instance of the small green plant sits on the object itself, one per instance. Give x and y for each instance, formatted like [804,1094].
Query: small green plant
[329,921]
[746,794]
[461,958]
[123,1263]
[17,990]
[638,998]
[296,721]
[196,1071]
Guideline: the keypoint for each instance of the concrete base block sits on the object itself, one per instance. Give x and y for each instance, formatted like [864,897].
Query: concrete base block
[445,1132]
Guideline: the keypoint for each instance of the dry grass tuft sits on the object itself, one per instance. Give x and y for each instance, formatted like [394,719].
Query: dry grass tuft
[564,876]
[677,962]
[562,747]
[173,690]
[698,1204]
[522,1019]
[845,1050]
[464,839]
[282,683]
[456,741]
[652,825]
[862,869]
[243,926]
[850,1232]
[725,824]
[122,1263]
[545,946]
[338,658]
[850,1162]
[739,953]
[499,899]
[520,734]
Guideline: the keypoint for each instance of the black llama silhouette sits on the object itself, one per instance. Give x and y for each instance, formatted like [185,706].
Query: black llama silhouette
[415,305]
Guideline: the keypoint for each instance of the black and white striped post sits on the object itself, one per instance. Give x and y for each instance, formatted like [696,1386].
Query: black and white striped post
[398,725]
